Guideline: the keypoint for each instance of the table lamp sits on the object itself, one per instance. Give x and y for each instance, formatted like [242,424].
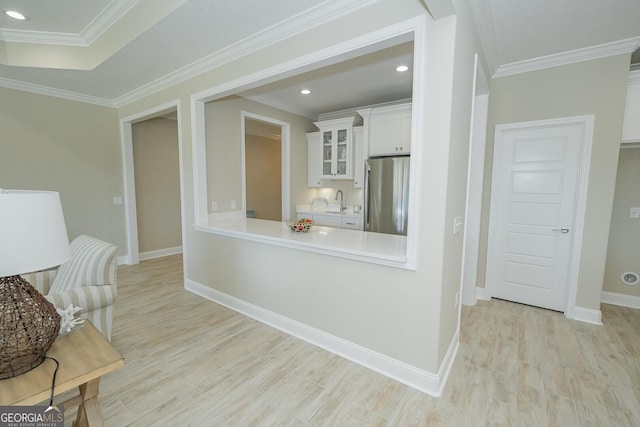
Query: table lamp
[33,237]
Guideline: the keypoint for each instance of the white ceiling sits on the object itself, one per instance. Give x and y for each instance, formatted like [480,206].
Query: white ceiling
[54,16]
[514,31]
[184,37]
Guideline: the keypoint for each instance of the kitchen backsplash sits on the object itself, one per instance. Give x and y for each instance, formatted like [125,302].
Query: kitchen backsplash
[352,196]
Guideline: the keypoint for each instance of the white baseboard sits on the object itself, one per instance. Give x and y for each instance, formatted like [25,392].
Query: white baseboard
[160,253]
[447,362]
[587,315]
[481,294]
[417,378]
[621,299]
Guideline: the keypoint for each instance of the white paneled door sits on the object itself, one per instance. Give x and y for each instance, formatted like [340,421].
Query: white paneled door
[531,226]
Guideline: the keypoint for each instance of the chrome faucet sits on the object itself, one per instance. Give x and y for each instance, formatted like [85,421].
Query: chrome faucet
[342,206]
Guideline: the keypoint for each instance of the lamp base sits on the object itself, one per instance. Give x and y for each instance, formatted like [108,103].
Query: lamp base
[28,326]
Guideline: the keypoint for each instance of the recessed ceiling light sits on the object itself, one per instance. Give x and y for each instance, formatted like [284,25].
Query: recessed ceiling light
[305,91]
[401,68]
[15,15]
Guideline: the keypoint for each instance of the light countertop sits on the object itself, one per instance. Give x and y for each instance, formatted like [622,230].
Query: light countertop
[378,248]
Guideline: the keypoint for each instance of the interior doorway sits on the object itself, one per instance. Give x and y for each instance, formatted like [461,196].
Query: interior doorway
[266,169]
[157,186]
[263,169]
[169,111]
[538,197]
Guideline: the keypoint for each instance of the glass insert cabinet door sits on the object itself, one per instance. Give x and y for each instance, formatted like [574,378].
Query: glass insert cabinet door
[337,147]
[336,153]
[327,153]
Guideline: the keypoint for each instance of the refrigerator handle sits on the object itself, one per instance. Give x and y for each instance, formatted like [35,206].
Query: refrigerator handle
[367,196]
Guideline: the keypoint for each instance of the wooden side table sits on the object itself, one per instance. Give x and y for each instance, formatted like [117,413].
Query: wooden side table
[84,356]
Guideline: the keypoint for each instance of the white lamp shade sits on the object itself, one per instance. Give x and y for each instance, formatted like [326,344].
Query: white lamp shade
[33,235]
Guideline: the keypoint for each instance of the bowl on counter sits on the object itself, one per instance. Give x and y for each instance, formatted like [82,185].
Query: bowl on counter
[302,225]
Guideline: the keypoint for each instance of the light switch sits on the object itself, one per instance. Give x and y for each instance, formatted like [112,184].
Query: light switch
[457,225]
[634,212]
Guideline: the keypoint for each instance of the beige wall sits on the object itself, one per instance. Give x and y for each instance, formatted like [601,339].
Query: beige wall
[592,87]
[74,148]
[462,94]
[224,152]
[623,253]
[391,311]
[263,160]
[157,183]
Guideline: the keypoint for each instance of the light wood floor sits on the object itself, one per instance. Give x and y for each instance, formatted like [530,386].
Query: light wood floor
[192,362]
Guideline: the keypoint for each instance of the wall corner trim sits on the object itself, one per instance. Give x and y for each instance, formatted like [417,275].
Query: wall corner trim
[123,260]
[424,381]
[623,300]
[482,294]
[587,315]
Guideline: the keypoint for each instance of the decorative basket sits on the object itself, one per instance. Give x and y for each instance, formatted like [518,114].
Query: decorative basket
[302,225]
[28,323]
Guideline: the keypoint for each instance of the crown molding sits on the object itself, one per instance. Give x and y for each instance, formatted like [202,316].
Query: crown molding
[350,112]
[101,23]
[42,37]
[58,93]
[585,54]
[323,12]
[105,20]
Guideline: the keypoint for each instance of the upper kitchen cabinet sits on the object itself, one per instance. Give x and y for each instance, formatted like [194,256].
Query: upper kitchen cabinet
[631,126]
[388,129]
[337,148]
[314,160]
[358,157]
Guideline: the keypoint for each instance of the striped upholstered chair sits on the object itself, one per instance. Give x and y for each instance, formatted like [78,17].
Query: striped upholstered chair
[87,280]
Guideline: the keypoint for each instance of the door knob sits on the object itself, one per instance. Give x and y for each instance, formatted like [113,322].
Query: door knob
[563,230]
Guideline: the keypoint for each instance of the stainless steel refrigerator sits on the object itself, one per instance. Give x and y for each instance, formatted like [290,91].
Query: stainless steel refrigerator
[386,194]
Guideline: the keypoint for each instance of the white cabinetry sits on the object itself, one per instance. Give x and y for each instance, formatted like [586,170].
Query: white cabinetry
[337,148]
[352,222]
[314,160]
[631,126]
[358,157]
[388,129]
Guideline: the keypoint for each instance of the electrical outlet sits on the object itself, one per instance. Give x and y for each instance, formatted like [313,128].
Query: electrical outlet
[233,204]
[634,212]
[214,206]
[117,200]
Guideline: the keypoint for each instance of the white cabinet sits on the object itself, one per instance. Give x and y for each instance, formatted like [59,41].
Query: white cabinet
[358,157]
[314,160]
[388,129]
[328,220]
[337,148]
[325,220]
[352,223]
[631,126]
